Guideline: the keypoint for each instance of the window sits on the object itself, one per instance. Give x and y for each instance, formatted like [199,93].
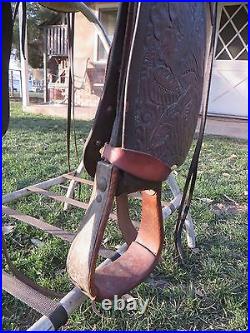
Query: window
[107,16]
[232,41]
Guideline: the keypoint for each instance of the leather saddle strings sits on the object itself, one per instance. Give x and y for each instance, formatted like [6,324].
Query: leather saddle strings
[192,173]
[71,87]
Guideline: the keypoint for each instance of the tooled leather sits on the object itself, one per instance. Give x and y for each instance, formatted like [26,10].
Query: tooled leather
[164,96]
[164,89]
[166,80]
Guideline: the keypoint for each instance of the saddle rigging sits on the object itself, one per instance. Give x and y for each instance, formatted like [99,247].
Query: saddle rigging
[157,81]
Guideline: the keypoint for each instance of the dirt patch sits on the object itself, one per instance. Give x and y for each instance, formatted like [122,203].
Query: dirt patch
[228,208]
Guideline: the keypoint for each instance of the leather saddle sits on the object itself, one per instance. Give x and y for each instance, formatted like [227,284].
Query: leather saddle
[144,126]
[155,87]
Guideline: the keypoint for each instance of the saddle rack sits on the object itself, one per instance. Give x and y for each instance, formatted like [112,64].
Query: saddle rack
[56,313]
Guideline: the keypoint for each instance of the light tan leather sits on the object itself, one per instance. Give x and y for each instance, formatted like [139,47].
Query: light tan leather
[83,252]
[127,228]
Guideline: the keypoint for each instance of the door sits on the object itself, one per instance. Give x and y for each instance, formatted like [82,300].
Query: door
[229,86]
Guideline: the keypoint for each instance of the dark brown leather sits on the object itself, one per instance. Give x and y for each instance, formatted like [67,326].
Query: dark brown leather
[67,7]
[165,84]
[110,108]
[7,26]
[192,172]
[106,110]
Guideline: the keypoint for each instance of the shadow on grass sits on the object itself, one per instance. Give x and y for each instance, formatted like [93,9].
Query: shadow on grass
[46,124]
[34,148]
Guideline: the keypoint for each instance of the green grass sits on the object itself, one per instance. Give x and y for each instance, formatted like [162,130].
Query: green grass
[209,293]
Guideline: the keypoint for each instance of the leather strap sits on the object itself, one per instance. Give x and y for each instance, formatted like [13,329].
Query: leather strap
[138,164]
[24,27]
[192,172]
[70,108]
[28,295]
[25,279]
[136,263]
[7,32]
[109,103]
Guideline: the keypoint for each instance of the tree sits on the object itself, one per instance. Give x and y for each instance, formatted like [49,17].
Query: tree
[36,15]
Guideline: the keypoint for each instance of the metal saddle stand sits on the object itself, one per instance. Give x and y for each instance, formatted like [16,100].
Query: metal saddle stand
[55,313]
[157,81]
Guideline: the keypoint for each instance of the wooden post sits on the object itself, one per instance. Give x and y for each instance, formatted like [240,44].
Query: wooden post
[24,62]
[45,67]
[11,84]
[20,83]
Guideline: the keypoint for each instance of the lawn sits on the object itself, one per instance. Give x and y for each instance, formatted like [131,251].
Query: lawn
[209,293]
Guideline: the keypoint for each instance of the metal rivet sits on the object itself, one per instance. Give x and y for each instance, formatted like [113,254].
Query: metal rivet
[99,198]
[102,184]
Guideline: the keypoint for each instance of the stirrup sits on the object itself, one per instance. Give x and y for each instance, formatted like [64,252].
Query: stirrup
[125,273]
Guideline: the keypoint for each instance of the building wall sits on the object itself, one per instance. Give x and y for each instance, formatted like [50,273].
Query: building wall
[84,43]
[229,81]
[229,87]
[83,50]
[89,73]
